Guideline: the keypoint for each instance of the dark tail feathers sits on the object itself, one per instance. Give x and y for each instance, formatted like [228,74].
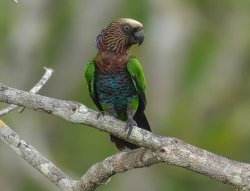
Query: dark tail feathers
[142,122]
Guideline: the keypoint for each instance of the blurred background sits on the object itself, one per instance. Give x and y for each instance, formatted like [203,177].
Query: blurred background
[197,65]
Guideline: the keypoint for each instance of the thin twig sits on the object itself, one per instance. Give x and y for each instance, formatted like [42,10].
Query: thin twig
[35,89]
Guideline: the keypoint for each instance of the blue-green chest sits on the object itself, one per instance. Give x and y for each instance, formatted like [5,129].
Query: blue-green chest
[115,90]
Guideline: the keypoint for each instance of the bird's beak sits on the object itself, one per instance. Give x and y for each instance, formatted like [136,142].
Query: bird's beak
[139,36]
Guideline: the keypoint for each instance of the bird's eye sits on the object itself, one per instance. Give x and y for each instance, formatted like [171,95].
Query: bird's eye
[126,27]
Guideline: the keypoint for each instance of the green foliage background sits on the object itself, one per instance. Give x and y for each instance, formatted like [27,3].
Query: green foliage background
[197,64]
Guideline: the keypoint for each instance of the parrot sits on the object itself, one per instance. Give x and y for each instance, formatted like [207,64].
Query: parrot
[115,78]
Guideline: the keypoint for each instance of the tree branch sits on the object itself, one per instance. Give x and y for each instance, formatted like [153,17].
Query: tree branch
[35,89]
[162,149]
[97,175]
[101,173]
[34,158]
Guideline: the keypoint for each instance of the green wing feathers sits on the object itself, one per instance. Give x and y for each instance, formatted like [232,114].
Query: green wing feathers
[90,79]
[90,76]
[137,75]
[135,69]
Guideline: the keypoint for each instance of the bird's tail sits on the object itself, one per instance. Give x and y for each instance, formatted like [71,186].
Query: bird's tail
[142,122]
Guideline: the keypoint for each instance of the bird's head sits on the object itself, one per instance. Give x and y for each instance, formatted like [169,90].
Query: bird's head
[121,34]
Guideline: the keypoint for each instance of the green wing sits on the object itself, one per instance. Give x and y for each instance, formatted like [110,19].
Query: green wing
[90,79]
[135,69]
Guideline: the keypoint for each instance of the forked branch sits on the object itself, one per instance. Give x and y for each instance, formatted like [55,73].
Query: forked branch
[158,149]
[35,89]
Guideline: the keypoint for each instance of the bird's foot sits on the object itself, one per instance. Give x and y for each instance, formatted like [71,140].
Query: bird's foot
[129,126]
[101,114]
[106,113]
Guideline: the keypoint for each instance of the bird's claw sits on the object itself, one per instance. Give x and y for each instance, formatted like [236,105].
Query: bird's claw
[129,126]
[101,114]
[106,113]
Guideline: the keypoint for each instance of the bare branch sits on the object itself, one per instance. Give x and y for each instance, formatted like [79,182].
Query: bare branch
[35,89]
[34,158]
[100,173]
[96,176]
[165,149]
[175,152]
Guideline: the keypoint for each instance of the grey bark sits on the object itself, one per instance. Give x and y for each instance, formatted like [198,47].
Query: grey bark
[156,148]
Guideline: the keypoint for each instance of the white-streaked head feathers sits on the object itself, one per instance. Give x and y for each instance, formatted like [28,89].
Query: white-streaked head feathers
[132,22]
